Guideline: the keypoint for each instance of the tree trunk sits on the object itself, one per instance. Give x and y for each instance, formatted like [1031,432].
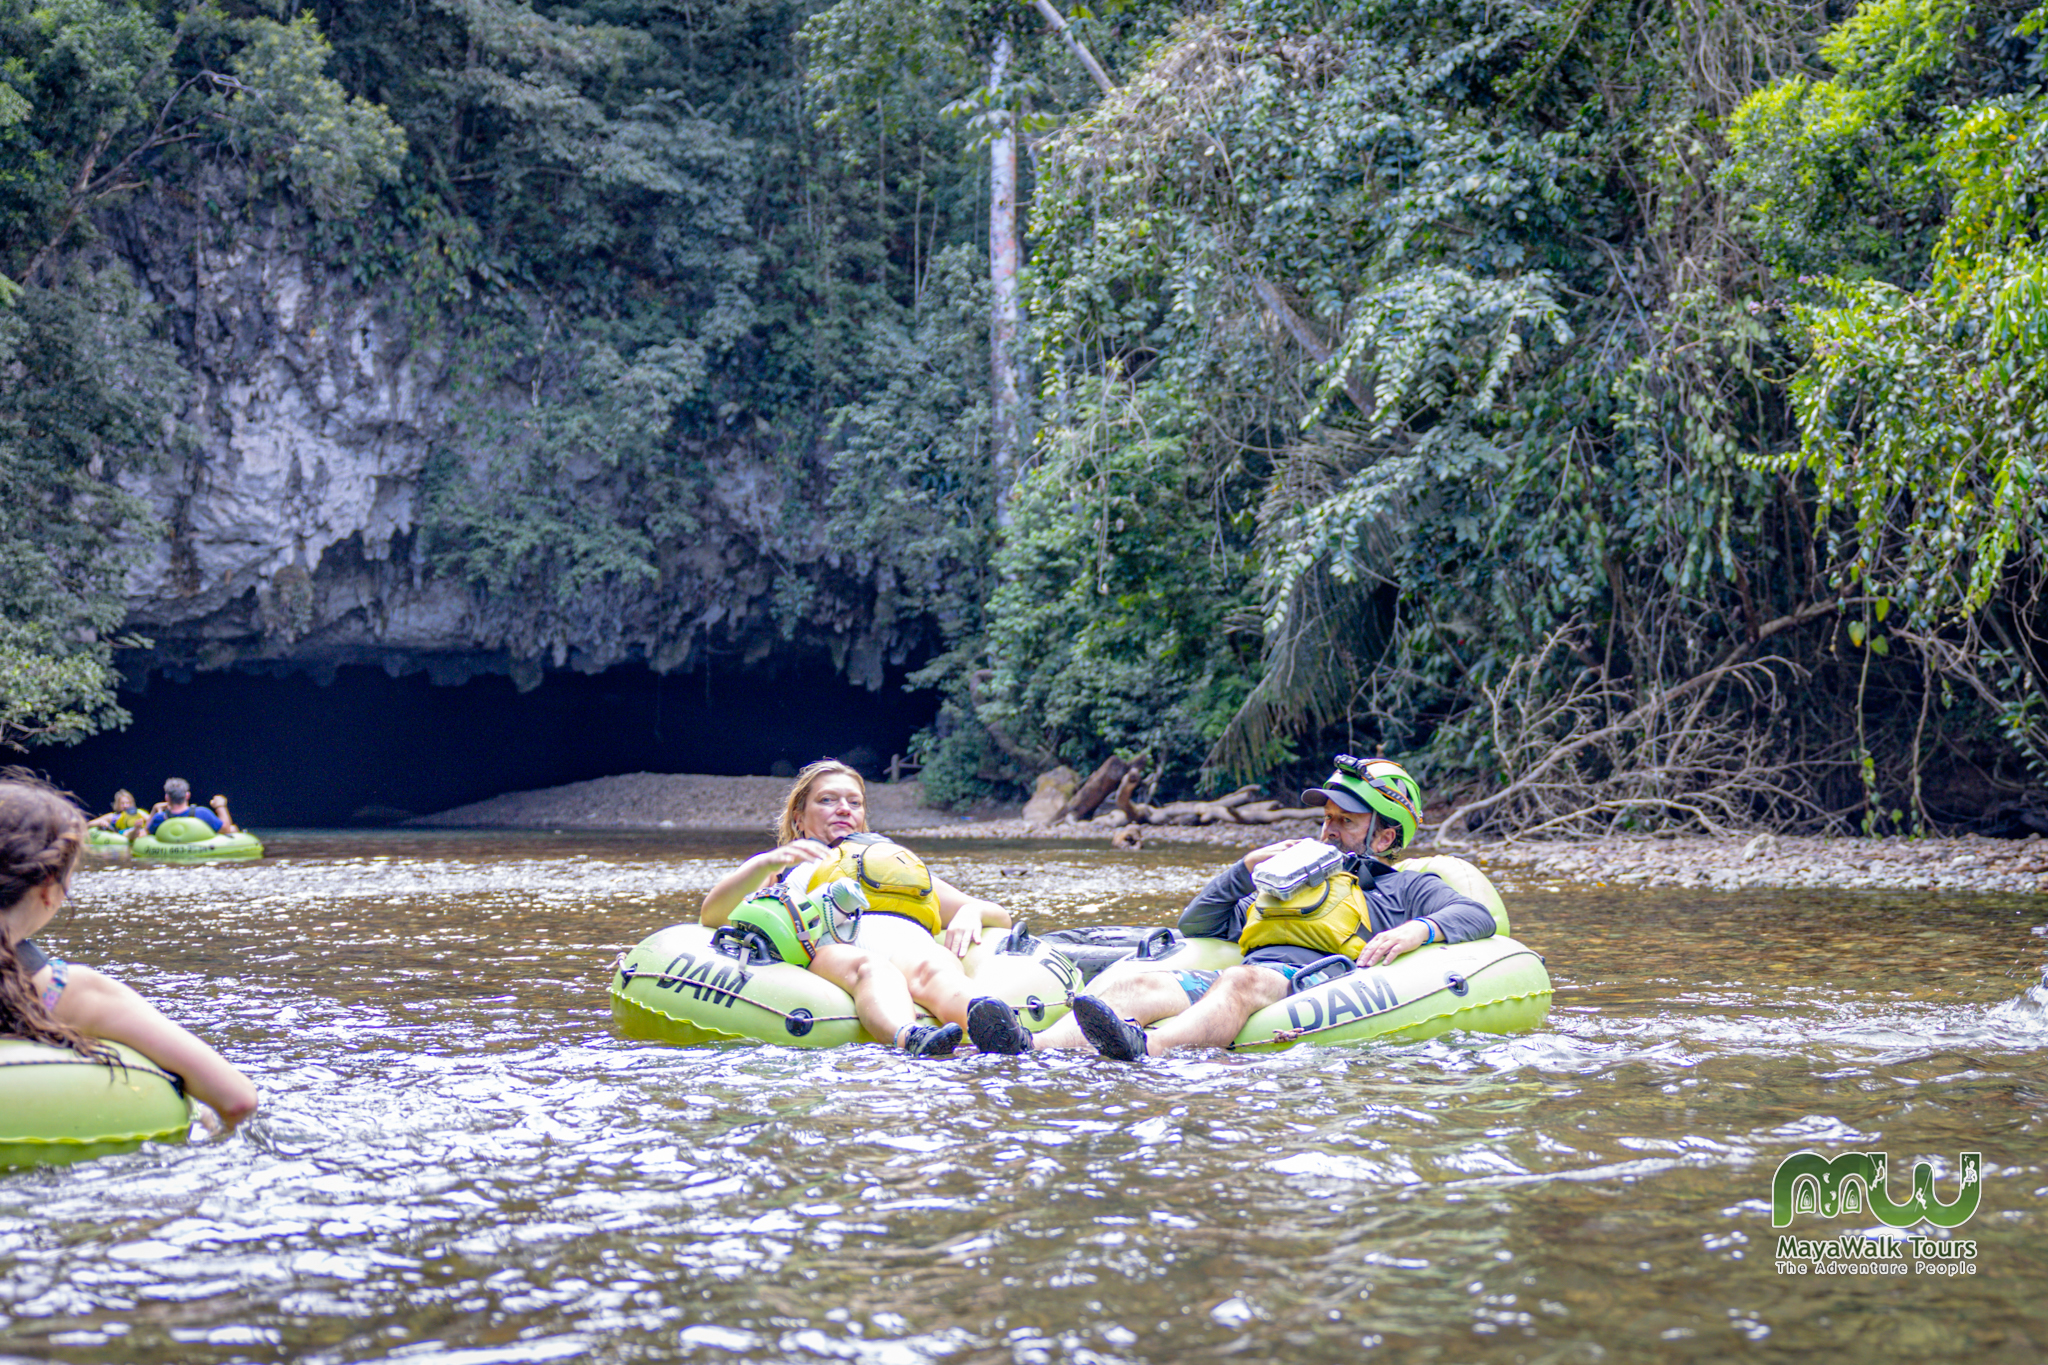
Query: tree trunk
[1006,321]
[1222,811]
[1272,813]
[1094,791]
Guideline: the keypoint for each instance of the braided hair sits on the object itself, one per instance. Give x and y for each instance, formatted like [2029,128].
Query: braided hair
[41,833]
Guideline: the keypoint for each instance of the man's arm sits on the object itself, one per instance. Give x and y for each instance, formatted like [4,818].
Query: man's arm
[1398,903]
[1458,918]
[1213,913]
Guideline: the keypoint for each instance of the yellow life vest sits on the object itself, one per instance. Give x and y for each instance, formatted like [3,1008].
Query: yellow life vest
[895,880]
[1329,917]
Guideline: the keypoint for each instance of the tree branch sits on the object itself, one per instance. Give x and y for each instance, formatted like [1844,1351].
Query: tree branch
[1659,703]
[1057,22]
[1299,328]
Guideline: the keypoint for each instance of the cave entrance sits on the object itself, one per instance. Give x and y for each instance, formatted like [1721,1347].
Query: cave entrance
[366,748]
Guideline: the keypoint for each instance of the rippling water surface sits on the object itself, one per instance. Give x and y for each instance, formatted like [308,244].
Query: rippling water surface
[460,1160]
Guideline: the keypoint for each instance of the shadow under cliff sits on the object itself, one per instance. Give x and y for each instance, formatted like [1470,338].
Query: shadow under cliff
[368,748]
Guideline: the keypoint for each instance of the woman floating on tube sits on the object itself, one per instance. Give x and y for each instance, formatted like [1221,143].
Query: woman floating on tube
[915,928]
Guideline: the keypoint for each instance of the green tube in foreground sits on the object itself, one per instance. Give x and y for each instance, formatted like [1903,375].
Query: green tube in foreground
[57,1107]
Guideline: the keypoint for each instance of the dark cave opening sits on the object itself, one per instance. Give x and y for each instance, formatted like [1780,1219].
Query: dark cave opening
[291,752]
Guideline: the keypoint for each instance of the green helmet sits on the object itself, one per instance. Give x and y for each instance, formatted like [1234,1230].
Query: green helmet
[797,924]
[1373,784]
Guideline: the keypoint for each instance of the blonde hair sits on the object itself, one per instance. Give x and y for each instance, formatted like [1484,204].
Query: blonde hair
[812,774]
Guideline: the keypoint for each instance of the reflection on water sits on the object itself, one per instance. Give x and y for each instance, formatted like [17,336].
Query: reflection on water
[459,1160]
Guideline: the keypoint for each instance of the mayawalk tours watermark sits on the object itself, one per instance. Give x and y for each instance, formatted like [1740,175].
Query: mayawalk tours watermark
[1853,1185]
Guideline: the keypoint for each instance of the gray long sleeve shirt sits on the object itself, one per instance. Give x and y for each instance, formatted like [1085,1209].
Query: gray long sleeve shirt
[1393,897]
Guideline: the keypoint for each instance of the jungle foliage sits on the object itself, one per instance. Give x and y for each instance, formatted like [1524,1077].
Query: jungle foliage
[98,97]
[1629,410]
[81,377]
[659,266]
[1921,403]
[1558,462]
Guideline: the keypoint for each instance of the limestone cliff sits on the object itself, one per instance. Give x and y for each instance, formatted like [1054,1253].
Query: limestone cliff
[295,536]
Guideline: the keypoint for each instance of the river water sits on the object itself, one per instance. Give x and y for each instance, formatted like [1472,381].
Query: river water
[461,1161]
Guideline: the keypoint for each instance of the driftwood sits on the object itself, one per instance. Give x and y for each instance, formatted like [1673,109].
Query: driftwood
[1221,811]
[1272,813]
[1094,791]
[1126,787]
[1241,807]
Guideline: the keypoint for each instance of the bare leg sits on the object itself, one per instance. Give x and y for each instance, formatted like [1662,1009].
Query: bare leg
[880,996]
[936,981]
[1144,996]
[1218,1017]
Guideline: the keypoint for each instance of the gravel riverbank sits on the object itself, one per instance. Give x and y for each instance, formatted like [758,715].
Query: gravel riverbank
[696,801]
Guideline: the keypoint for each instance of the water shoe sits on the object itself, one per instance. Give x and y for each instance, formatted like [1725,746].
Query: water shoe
[929,1040]
[1108,1032]
[995,1027]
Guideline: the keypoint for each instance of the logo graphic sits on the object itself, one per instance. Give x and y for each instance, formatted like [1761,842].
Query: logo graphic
[1854,1183]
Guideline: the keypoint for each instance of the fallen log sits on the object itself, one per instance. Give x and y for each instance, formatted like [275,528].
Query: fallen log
[1241,807]
[1272,813]
[1094,791]
[1222,811]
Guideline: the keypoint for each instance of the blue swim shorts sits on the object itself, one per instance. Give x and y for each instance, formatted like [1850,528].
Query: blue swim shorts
[1197,984]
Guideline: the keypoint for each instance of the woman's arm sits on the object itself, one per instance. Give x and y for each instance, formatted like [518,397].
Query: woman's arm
[104,1008]
[965,917]
[750,876]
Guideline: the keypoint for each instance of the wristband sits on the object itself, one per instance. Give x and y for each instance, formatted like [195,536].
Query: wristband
[1430,925]
[59,974]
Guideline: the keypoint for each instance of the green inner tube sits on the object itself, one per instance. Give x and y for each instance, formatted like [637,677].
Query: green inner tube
[1491,985]
[183,839]
[1469,881]
[676,987]
[56,1106]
